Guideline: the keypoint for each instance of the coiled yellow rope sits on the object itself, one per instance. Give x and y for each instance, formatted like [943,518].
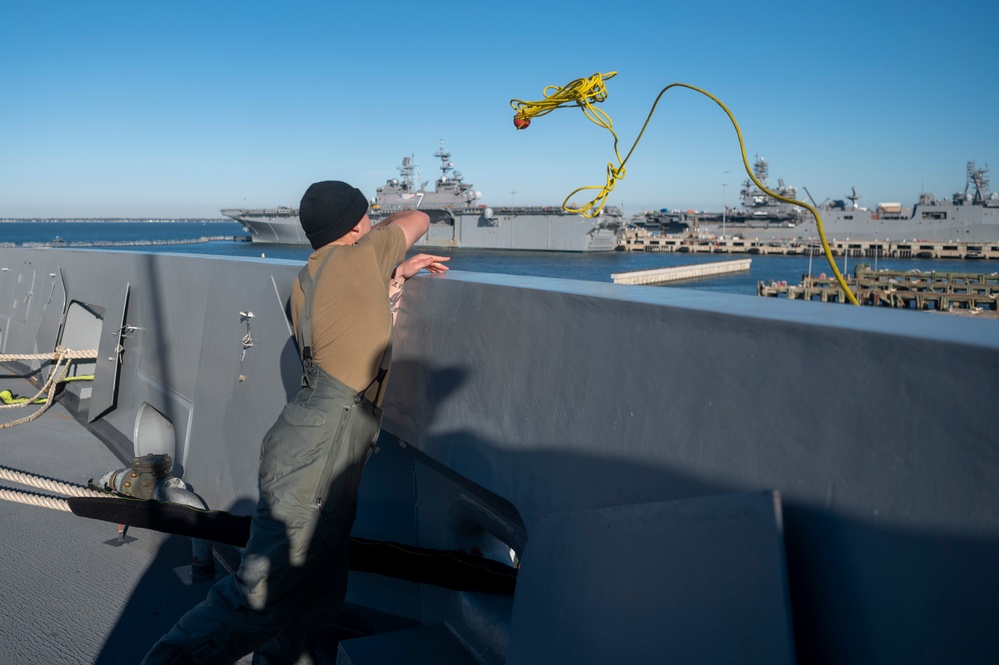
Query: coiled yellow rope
[584,93]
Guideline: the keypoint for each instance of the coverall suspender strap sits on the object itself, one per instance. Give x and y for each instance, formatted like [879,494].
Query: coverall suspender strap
[308,283]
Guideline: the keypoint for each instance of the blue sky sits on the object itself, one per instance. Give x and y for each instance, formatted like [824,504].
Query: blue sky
[178,109]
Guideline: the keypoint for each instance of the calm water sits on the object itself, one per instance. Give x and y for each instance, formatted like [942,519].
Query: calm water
[591,267]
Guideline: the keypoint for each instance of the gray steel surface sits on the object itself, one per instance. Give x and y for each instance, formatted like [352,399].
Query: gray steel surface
[71,593]
[514,400]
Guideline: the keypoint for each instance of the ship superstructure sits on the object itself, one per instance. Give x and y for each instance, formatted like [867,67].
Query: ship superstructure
[758,207]
[451,192]
[457,219]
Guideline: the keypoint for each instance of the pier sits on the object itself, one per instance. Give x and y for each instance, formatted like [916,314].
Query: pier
[903,249]
[678,273]
[941,291]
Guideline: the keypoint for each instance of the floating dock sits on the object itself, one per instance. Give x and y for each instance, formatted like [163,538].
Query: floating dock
[913,289]
[679,273]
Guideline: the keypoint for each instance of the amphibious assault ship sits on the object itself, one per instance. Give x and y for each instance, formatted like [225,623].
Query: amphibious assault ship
[457,219]
[971,215]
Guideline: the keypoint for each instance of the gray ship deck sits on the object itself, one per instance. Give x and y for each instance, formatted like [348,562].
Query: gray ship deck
[506,434]
[72,594]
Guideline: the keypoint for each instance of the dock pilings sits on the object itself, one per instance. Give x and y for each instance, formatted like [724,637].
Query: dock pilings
[912,289]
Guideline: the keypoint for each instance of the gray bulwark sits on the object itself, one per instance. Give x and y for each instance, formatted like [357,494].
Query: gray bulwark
[515,399]
[562,396]
[705,576]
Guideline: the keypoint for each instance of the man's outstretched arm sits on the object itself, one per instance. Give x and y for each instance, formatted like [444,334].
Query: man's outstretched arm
[408,269]
[414,223]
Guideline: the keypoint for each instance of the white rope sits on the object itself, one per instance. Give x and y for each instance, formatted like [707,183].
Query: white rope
[31,499]
[49,484]
[62,357]
[41,482]
[60,352]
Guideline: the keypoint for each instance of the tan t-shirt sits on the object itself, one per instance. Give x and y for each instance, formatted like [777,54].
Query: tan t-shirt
[351,320]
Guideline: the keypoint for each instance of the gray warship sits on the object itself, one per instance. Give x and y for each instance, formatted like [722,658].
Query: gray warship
[688,495]
[457,219]
[758,210]
[971,215]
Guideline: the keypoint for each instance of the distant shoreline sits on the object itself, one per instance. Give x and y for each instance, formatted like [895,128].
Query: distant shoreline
[127,243]
[132,220]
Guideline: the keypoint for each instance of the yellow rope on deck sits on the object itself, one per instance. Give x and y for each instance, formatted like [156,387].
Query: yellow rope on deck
[586,92]
[7,397]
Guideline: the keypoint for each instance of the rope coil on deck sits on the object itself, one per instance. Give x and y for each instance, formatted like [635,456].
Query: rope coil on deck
[62,357]
[43,483]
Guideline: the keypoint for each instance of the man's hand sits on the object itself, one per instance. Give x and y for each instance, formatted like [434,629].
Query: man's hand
[408,269]
[414,264]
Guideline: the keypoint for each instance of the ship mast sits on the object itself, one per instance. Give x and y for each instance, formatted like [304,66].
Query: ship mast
[853,197]
[980,178]
[762,170]
[406,173]
[446,163]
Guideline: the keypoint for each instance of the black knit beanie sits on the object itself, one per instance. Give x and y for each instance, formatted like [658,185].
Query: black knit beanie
[329,210]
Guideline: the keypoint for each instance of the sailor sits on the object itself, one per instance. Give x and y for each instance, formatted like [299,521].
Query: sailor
[292,579]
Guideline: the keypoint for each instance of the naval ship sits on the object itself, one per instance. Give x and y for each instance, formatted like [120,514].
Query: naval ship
[708,502]
[971,215]
[759,208]
[457,220]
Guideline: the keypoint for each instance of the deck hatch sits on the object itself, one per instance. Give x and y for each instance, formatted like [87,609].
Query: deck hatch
[108,368]
[53,312]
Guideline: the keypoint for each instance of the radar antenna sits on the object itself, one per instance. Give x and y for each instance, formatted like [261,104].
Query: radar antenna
[761,169]
[854,197]
[980,179]
[446,164]
[406,173]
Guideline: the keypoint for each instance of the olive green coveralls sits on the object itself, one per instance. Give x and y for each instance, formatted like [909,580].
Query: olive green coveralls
[292,580]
